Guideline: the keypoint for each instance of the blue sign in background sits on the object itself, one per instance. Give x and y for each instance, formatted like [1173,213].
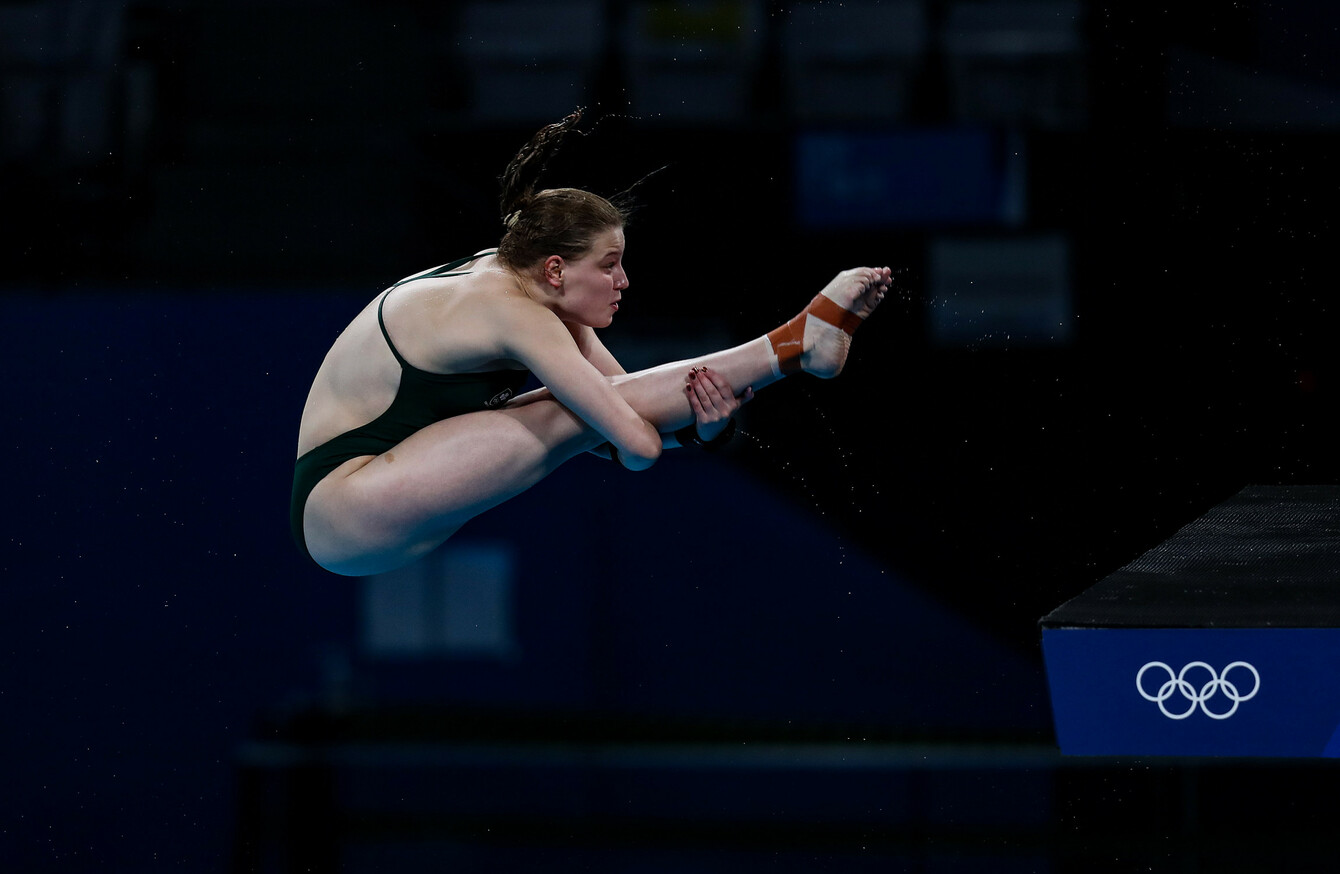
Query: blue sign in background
[965,176]
[1100,711]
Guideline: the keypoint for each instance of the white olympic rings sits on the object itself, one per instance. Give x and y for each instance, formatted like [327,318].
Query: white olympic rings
[1177,683]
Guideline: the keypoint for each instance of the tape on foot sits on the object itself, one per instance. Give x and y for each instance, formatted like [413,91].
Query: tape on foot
[788,340]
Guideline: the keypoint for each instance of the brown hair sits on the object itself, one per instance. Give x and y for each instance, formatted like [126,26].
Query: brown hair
[553,221]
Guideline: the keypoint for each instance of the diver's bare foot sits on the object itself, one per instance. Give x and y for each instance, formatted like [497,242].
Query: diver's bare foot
[817,341]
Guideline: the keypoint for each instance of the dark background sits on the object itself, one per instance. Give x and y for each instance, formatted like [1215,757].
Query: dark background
[198,196]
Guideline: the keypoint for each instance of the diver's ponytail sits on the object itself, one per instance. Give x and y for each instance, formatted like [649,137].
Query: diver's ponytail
[523,172]
[550,221]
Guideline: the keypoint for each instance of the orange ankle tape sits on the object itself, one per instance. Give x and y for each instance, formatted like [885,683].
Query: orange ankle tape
[788,340]
[825,310]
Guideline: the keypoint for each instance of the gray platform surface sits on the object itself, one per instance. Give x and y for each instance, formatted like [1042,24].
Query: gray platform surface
[1269,557]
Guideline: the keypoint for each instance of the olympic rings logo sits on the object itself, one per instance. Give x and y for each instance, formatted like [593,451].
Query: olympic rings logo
[1178,684]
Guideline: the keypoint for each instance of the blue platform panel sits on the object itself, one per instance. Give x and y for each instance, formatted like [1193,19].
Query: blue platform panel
[1195,691]
[1222,641]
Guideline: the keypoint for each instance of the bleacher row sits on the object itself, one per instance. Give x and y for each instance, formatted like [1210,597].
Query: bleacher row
[699,62]
[151,133]
[79,82]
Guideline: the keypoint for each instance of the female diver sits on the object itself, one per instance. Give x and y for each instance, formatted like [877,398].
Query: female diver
[413,424]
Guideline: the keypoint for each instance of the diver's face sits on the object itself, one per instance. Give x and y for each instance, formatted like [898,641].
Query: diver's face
[594,284]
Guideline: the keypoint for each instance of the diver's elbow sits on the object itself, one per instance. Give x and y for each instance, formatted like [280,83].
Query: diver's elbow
[640,459]
[642,452]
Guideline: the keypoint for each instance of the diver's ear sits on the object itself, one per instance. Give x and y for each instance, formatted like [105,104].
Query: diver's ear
[553,270]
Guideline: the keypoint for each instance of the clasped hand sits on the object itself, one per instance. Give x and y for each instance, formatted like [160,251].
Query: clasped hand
[713,401]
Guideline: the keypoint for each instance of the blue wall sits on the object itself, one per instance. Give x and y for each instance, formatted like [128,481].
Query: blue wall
[154,609]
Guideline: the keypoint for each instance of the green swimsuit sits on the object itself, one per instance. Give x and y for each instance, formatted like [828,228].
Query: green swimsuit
[421,399]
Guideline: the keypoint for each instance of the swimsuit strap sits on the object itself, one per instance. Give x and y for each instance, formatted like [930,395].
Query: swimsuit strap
[444,270]
[382,323]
